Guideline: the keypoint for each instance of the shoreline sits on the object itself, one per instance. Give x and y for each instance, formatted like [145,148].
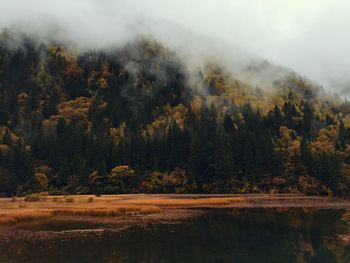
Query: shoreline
[109,214]
[130,209]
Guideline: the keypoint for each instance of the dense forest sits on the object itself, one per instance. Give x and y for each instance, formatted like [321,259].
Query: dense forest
[133,119]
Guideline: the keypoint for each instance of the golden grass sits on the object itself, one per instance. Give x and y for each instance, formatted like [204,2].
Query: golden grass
[69,199]
[25,215]
[106,211]
[13,217]
[188,202]
[16,210]
[36,197]
[40,206]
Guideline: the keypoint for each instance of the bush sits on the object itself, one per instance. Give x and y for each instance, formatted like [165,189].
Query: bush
[36,197]
[120,179]
[311,186]
[170,182]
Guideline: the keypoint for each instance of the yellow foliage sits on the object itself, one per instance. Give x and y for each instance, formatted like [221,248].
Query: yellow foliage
[290,146]
[325,142]
[71,111]
[13,137]
[158,122]
[74,70]
[196,104]
[118,133]
[74,109]
[331,132]
[22,97]
[67,55]
[94,177]
[104,74]
[178,113]
[322,145]
[102,83]
[121,171]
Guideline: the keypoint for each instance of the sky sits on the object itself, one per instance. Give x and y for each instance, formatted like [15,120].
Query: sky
[309,36]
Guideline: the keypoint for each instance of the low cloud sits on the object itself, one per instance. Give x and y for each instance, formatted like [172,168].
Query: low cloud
[308,36]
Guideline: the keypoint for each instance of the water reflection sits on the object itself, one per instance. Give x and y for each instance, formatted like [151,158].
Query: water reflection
[237,235]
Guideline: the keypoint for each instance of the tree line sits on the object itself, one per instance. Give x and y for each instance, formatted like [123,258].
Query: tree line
[131,120]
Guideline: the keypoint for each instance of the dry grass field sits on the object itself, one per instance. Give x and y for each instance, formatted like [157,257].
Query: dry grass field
[14,210]
[41,206]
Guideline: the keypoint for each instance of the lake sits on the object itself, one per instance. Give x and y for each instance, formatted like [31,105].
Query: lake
[220,235]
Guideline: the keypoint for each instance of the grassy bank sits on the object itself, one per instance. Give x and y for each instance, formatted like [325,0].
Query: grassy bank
[41,206]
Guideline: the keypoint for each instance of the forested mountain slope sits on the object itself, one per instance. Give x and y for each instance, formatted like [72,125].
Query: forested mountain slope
[133,119]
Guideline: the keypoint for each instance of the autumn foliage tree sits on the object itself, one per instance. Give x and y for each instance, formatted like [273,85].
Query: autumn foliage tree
[70,121]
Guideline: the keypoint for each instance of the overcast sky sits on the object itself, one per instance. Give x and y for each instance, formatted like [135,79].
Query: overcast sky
[310,36]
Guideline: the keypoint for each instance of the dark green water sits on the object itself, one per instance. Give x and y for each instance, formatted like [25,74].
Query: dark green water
[237,235]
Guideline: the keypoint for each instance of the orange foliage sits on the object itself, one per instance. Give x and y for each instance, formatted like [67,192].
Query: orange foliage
[290,146]
[71,111]
[74,109]
[74,70]
[121,171]
[196,104]
[323,144]
[104,74]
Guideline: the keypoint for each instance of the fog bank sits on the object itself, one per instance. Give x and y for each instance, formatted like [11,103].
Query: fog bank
[308,36]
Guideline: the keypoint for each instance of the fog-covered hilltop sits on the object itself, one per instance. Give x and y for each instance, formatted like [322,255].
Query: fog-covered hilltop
[140,118]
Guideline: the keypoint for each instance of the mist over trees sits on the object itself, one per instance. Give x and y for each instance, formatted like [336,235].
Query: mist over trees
[133,119]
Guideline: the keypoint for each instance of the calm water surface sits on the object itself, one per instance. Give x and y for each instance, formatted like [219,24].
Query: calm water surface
[230,235]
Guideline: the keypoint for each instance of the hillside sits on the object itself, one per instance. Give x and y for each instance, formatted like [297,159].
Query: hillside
[134,119]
